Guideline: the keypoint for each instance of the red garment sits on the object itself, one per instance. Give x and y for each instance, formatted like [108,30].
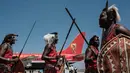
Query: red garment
[91,53]
[49,68]
[8,54]
[53,53]
[109,34]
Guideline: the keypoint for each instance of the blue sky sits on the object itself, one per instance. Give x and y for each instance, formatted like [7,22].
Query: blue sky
[18,16]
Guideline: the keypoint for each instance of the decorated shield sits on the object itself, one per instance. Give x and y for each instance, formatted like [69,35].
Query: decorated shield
[114,56]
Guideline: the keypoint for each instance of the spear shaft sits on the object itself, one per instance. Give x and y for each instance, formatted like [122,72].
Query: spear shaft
[27,39]
[67,37]
[13,67]
[76,25]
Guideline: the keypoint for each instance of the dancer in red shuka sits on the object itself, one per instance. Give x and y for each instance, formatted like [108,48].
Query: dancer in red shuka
[6,53]
[114,55]
[50,54]
[91,55]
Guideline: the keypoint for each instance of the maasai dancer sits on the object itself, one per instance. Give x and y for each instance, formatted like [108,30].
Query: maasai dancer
[108,21]
[50,54]
[111,59]
[6,53]
[91,55]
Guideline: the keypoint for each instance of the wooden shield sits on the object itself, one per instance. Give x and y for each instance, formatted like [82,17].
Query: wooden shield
[114,56]
[61,63]
[19,68]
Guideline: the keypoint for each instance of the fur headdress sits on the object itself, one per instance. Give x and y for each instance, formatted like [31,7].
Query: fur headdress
[49,38]
[113,7]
